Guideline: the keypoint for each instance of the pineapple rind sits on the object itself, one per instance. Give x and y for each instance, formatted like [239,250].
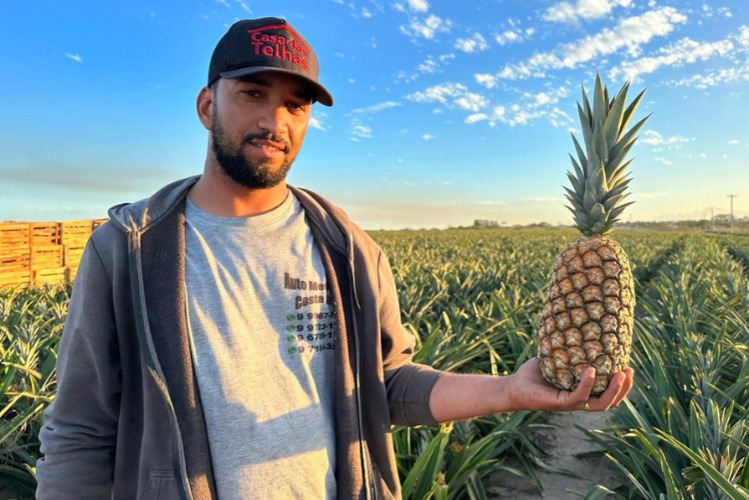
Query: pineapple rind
[588,316]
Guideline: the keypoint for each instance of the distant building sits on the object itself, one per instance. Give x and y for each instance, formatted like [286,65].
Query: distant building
[485,223]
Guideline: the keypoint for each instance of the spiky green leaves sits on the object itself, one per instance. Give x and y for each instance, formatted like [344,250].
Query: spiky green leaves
[599,180]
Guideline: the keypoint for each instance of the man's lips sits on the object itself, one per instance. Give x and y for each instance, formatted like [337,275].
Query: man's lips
[268,146]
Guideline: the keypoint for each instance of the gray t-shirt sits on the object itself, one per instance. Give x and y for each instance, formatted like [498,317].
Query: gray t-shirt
[263,332]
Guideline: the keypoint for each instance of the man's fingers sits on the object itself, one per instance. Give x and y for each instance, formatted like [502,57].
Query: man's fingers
[626,385]
[581,394]
[618,388]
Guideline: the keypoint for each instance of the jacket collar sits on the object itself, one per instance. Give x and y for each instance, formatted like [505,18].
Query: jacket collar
[141,215]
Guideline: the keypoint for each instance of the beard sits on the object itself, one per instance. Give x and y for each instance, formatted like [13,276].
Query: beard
[241,169]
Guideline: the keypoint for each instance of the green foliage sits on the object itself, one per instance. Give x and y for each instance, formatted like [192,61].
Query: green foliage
[31,321]
[685,433]
[472,300]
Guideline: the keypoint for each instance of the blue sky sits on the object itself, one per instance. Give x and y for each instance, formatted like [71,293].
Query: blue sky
[444,112]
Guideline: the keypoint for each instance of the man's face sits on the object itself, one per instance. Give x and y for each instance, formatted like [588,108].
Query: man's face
[258,123]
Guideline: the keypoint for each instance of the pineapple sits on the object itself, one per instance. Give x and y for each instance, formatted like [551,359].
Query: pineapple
[587,319]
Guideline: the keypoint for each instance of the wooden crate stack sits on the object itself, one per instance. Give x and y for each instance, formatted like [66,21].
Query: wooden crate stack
[46,253]
[74,236]
[15,254]
[39,253]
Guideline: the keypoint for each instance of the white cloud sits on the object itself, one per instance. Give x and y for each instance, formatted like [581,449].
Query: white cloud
[582,9]
[418,5]
[426,137]
[315,122]
[244,6]
[485,79]
[428,66]
[476,43]
[715,77]
[722,11]
[451,95]
[654,138]
[374,108]
[629,33]
[75,57]
[359,130]
[427,27]
[535,106]
[476,117]
[439,93]
[733,142]
[224,3]
[472,101]
[683,51]
[743,37]
[729,47]
[525,108]
[514,35]
[666,162]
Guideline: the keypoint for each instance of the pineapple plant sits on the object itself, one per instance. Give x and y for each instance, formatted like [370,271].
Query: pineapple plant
[588,315]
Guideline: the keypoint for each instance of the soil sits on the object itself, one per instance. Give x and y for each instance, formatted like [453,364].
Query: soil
[565,441]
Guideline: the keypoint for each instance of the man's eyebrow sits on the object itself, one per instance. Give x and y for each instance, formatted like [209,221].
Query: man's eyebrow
[303,93]
[254,79]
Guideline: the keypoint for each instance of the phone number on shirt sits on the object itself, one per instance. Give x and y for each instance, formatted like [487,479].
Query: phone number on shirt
[317,348]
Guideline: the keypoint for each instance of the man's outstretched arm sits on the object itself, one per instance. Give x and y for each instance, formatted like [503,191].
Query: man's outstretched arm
[462,396]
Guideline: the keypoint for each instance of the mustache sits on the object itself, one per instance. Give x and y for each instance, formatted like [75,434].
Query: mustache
[266,136]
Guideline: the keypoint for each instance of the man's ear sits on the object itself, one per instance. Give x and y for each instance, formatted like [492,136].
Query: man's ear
[204,106]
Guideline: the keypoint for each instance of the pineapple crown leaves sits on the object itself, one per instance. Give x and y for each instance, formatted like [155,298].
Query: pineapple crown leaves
[599,180]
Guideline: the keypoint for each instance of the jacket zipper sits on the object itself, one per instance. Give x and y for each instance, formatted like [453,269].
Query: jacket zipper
[369,490]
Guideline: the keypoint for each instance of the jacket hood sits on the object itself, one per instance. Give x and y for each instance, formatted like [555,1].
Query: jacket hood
[138,216]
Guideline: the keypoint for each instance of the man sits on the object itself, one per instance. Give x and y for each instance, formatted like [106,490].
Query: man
[236,337]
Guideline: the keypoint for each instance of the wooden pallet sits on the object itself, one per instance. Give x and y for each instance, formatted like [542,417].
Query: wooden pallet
[71,254]
[75,231]
[46,257]
[54,276]
[11,257]
[98,222]
[14,276]
[44,233]
[70,272]
[14,234]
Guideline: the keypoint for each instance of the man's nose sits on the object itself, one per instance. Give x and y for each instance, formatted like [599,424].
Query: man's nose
[272,118]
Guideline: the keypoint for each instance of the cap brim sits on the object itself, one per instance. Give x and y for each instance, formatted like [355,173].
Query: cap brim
[319,93]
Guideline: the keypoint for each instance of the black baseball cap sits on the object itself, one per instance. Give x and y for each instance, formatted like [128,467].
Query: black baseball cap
[266,44]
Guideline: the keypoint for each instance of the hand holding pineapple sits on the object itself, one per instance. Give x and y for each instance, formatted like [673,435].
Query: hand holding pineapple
[458,396]
[587,320]
[533,392]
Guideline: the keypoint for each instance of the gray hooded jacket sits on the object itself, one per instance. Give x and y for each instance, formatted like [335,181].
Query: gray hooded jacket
[127,421]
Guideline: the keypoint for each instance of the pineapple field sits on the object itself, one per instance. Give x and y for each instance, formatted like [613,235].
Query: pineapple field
[474,299]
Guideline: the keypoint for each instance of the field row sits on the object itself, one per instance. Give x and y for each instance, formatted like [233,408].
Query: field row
[472,299]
